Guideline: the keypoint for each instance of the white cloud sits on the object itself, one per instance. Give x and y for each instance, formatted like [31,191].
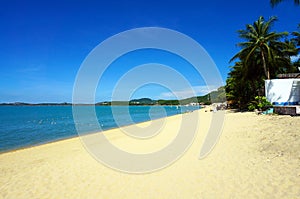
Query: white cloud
[188,92]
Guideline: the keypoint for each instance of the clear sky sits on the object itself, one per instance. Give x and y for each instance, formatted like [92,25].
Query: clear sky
[43,43]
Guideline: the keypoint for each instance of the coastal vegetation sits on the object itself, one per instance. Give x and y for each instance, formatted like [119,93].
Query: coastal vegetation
[260,103]
[212,97]
[264,54]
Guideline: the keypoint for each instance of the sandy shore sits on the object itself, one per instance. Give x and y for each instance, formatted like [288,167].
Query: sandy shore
[257,156]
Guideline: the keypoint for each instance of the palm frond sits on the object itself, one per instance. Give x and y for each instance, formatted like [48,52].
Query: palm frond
[275,2]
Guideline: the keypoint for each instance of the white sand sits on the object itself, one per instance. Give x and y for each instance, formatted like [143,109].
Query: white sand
[256,157]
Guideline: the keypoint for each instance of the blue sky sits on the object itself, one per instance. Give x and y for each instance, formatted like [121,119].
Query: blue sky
[43,43]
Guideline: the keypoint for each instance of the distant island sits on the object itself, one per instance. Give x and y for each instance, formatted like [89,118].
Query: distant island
[212,97]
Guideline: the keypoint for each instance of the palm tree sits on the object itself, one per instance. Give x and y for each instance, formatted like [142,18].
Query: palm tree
[296,41]
[297,37]
[275,2]
[261,45]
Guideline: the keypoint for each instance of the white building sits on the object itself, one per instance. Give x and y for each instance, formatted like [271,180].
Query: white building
[283,91]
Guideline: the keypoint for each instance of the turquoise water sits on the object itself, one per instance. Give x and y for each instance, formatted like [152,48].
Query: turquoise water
[23,126]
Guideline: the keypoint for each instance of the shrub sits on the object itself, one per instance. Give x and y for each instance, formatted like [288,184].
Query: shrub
[261,103]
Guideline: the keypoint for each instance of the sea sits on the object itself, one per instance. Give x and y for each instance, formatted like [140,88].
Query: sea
[25,126]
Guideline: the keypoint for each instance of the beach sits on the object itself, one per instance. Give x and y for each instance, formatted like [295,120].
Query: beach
[257,156]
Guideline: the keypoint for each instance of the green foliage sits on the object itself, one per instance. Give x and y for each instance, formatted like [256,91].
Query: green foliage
[213,97]
[296,35]
[168,102]
[252,107]
[261,103]
[264,50]
[296,41]
[218,96]
[264,54]
[275,2]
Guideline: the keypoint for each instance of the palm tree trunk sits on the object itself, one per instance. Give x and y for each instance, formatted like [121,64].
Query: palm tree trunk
[267,72]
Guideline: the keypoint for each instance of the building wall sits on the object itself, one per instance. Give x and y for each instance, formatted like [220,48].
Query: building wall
[283,91]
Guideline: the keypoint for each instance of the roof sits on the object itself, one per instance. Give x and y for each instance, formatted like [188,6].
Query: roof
[288,76]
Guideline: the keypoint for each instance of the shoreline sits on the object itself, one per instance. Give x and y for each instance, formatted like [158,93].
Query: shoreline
[36,145]
[88,133]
